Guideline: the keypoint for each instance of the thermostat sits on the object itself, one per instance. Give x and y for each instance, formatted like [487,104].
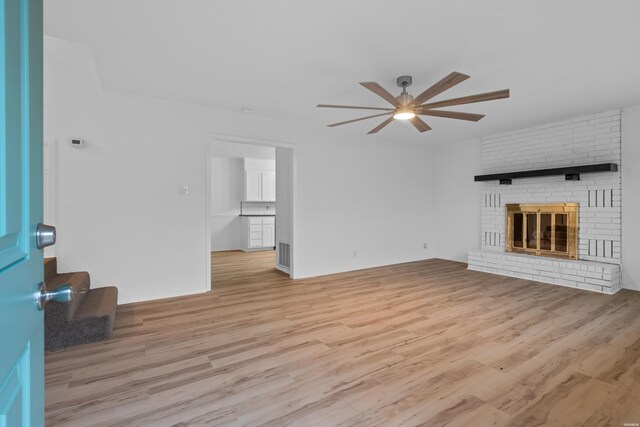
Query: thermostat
[78,142]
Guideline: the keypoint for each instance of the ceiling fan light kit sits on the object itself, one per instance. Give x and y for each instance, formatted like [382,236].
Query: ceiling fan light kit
[406,107]
[404,115]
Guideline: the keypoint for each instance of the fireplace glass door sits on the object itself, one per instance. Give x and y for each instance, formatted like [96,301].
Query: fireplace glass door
[543,229]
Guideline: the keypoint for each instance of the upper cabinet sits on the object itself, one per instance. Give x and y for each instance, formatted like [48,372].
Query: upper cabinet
[268,186]
[259,180]
[252,186]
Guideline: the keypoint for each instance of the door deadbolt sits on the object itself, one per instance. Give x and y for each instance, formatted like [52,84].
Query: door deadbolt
[45,236]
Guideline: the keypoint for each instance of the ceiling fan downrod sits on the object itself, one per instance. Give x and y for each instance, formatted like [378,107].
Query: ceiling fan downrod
[404,98]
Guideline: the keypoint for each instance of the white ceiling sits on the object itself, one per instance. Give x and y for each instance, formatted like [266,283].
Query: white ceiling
[234,150]
[282,57]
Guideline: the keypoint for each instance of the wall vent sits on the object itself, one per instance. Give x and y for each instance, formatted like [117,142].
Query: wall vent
[284,255]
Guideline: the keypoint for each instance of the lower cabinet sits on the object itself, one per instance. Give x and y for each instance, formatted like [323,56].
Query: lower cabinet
[268,235]
[258,232]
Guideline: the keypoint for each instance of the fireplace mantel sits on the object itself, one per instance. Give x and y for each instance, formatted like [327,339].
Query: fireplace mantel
[571,173]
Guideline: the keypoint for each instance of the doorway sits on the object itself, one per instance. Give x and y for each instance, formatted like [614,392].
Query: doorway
[249,209]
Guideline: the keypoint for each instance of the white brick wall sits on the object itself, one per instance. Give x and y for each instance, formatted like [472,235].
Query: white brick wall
[580,141]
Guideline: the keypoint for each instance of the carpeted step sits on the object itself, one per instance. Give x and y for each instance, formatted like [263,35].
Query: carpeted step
[80,281]
[93,321]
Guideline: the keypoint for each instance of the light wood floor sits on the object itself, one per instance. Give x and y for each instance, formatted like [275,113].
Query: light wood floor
[424,343]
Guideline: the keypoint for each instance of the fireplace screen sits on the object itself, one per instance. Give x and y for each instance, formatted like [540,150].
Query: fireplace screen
[543,229]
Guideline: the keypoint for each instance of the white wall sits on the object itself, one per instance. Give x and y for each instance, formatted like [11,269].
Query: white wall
[237,150]
[227,185]
[284,203]
[284,191]
[362,195]
[119,212]
[456,199]
[120,215]
[630,198]
[260,164]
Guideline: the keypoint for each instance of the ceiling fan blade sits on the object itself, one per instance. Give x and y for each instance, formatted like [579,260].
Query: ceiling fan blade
[353,107]
[447,83]
[498,94]
[419,124]
[357,120]
[380,126]
[451,114]
[380,91]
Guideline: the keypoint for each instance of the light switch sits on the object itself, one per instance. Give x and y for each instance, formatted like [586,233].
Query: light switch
[184,190]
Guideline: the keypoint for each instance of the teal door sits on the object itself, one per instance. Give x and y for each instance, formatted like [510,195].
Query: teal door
[21,263]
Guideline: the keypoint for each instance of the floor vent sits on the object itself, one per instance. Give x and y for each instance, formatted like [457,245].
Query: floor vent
[284,255]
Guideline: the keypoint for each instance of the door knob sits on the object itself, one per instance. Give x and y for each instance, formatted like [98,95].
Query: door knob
[45,236]
[63,293]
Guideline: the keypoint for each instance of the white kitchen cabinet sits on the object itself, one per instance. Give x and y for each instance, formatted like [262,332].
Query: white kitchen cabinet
[268,186]
[253,185]
[268,232]
[259,186]
[258,232]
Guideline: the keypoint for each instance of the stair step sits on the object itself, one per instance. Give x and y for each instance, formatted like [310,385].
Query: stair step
[93,321]
[50,268]
[98,302]
[80,281]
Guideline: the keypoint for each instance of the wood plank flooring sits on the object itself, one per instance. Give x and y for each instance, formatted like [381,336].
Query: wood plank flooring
[423,343]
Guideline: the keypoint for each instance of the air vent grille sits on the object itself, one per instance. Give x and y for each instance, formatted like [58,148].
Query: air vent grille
[284,255]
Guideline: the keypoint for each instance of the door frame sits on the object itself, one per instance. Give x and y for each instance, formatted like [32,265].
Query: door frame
[50,188]
[210,139]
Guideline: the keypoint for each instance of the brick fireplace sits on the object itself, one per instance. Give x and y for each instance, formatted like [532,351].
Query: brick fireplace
[596,196]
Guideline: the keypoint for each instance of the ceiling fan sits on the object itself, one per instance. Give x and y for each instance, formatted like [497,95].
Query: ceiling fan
[406,107]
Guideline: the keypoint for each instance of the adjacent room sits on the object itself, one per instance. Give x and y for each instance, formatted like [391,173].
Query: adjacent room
[245,227]
[331,213]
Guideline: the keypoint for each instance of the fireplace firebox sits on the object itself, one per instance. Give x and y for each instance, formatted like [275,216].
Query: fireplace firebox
[549,229]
